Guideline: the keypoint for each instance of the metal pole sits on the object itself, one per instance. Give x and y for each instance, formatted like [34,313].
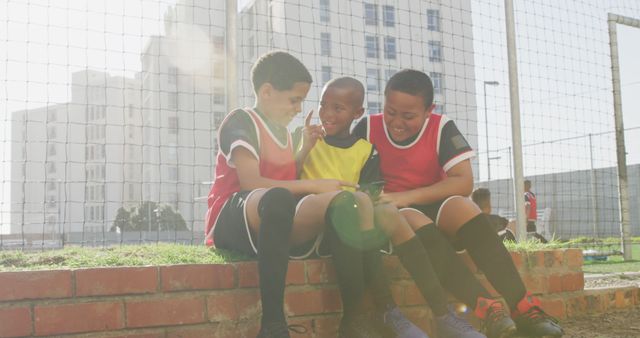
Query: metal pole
[231,59]
[625,226]
[514,98]
[486,131]
[594,200]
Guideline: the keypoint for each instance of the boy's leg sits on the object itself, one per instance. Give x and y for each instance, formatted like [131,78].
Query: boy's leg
[460,218]
[270,217]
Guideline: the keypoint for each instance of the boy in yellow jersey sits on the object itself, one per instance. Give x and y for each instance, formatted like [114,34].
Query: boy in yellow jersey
[341,155]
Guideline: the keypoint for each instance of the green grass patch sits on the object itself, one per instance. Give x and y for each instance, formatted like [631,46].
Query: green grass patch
[126,255]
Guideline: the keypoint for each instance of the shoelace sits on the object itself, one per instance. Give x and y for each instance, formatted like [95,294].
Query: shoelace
[537,314]
[495,312]
[458,322]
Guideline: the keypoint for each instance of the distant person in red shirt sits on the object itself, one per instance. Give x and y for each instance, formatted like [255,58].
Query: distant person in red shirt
[531,207]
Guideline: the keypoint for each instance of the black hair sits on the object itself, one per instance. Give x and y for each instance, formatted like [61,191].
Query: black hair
[481,196]
[412,82]
[281,69]
[347,82]
[527,182]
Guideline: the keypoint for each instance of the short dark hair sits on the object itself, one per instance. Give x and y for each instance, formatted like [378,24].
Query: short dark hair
[347,82]
[527,182]
[281,69]
[412,82]
[481,196]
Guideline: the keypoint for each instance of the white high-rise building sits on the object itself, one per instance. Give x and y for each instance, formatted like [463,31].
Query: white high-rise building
[369,40]
[73,164]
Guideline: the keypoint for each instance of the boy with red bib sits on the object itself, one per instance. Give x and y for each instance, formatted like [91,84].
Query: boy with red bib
[254,205]
[425,162]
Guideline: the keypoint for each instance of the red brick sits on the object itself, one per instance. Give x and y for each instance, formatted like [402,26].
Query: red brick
[554,259]
[308,324]
[158,334]
[574,258]
[233,306]
[247,274]
[295,273]
[535,283]
[573,281]
[412,295]
[202,331]
[312,301]
[320,271]
[554,307]
[15,322]
[554,283]
[197,277]
[517,259]
[165,311]
[116,281]
[35,285]
[75,318]
[394,268]
[327,326]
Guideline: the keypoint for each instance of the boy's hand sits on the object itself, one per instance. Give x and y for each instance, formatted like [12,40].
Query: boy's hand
[311,133]
[393,198]
[328,185]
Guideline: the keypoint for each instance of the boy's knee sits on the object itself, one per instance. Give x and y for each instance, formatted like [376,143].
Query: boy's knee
[277,204]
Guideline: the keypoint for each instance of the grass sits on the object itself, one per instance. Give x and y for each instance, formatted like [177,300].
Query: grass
[127,255]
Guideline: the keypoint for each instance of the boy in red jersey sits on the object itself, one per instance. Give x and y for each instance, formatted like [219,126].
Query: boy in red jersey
[425,162]
[342,155]
[253,203]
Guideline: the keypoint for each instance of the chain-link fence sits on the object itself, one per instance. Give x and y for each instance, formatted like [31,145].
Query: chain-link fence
[109,109]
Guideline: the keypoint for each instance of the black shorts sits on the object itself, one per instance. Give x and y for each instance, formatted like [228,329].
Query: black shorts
[531,226]
[231,231]
[433,211]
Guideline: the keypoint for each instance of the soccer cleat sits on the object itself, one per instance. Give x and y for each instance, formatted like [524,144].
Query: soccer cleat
[495,321]
[451,325]
[279,330]
[532,321]
[359,326]
[400,325]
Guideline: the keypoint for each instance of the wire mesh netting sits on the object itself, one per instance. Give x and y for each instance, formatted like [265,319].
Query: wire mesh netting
[109,109]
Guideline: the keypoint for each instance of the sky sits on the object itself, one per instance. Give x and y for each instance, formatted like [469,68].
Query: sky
[563,94]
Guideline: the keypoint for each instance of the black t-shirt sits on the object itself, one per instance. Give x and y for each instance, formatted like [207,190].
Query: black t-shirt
[452,142]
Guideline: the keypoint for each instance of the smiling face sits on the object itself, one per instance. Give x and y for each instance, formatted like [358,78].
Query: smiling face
[404,114]
[281,106]
[338,109]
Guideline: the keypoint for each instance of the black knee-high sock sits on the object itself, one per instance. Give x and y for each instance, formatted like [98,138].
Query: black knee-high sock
[416,260]
[276,210]
[488,252]
[377,280]
[454,275]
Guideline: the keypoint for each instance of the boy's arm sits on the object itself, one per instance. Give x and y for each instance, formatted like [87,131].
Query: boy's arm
[459,181]
[248,170]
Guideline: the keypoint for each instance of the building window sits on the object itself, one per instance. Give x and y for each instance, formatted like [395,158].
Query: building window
[388,73]
[433,20]
[326,74]
[436,78]
[325,44]
[52,116]
[371,44]
[218,95]
[389,16]
[324,11]
[51,150]
[172,99]
[173,125]
[51,132]
[51,168]
[218,44]
[218,70]
[373,79]
[435,51]
[390,47]
[173,173]
[373,108]
[370,14]
[173,75]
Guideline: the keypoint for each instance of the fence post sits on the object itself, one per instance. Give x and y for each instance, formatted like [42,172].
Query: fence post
[231,75]
[516,135]
[623,191]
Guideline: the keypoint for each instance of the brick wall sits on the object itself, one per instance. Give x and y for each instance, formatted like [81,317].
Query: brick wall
[222,300]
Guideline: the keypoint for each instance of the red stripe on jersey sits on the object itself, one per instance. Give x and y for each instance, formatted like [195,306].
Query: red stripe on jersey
[533,206]
[407,167]
[276,162]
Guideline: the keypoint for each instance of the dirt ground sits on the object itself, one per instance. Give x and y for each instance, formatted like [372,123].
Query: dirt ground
[621,324]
